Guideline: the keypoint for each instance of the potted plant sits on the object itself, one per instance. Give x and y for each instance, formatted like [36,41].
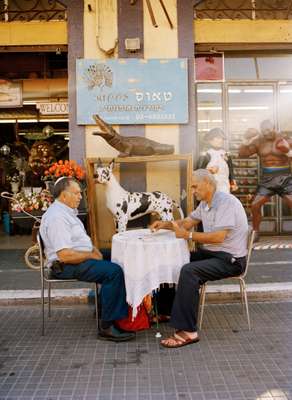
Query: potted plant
[68,168]
[32,202]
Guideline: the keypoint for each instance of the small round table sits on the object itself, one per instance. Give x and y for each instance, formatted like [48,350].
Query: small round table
[148,260]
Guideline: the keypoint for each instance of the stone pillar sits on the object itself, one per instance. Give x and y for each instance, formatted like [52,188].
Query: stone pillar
[130,25]
[75,50]
[185,23]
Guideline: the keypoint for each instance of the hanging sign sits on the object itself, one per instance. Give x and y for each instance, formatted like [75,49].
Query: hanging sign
[209,67]
[53,108]
[132,91]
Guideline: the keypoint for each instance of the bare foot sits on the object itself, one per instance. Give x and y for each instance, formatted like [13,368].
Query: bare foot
[180,339]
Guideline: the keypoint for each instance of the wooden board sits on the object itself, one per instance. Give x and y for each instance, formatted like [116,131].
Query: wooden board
[101,221]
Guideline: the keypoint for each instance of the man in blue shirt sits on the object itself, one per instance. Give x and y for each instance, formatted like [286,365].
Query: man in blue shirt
[222,253]
[66,241]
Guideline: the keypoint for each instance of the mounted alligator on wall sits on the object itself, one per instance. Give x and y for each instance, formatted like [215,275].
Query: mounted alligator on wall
[130,145]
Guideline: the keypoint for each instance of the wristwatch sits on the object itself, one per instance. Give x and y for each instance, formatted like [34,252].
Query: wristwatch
[191,236]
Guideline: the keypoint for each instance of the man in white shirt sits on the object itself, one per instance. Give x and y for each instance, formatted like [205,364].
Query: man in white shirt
[71,255]
[222,253]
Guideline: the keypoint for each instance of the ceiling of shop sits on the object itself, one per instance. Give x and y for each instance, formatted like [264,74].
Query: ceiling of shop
[243,9]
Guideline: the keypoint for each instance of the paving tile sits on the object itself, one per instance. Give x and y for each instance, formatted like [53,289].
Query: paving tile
[229,363]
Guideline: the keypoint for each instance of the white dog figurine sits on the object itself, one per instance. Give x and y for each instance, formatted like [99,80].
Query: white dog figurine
[126,206]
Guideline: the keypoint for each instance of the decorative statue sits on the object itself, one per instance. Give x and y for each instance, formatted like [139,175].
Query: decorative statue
[217,161]
[274,151]
[126,206]
[130,145]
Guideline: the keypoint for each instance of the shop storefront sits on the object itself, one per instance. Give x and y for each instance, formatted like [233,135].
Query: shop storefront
[255,84]
[257,87]
[34,120]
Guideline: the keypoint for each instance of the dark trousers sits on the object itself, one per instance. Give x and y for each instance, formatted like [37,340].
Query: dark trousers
[205,266]
[111,278]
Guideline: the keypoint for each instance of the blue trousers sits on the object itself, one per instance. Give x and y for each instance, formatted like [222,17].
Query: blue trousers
[110,276]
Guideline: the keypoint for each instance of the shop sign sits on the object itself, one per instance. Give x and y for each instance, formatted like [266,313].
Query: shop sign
[10,94]
[53,108]
[132,91]
[209,67]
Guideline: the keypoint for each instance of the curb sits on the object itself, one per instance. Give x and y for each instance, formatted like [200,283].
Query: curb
[255,292]
[215,294]
[59,296]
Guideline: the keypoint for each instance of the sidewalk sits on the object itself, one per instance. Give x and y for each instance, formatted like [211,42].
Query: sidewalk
[69,363]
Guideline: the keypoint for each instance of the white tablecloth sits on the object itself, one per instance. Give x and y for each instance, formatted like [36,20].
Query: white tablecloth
[148,259]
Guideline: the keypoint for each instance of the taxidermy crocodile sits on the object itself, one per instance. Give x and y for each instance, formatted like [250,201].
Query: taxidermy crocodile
[130,145]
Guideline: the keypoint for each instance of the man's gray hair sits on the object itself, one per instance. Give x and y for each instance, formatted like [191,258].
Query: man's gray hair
[61,185]
[204,174]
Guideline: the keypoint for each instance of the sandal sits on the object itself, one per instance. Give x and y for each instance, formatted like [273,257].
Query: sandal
[179,339]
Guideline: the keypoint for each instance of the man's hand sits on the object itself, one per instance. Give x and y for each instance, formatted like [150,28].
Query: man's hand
[160,225]
[97,254]
[180,233]
[282,145]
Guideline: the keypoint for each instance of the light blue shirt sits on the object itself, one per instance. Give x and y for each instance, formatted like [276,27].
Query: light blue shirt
[62,229]
[226,213]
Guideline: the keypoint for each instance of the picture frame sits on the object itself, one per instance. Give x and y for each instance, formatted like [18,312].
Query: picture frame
[209,67]
[10,94]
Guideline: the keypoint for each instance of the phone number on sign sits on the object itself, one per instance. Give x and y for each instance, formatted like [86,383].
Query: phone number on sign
[154,116]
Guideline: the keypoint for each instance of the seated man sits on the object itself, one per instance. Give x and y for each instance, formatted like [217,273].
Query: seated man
[222,254]
[66,241]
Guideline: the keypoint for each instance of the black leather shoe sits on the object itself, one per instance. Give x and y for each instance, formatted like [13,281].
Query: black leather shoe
[115,335]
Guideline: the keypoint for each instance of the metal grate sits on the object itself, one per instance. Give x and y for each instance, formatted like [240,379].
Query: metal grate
[243,9]
[29,10]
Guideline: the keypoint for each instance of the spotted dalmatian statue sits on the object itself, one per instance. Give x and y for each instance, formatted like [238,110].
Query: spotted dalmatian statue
[126,206]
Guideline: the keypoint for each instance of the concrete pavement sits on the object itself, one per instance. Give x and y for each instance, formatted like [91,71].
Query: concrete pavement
[69,363]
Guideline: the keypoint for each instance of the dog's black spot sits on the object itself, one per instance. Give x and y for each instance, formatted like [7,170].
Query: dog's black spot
[125,207]
[157,194]
[145,201]
[118,204]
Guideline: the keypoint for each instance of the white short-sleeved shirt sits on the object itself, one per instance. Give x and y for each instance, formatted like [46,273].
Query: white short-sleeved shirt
[226,212]
[62,229]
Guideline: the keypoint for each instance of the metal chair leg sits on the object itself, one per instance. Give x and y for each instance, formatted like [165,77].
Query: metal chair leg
[241,295]
[202,304]
[49,299]
[96,307]
[246,303]
[43,307]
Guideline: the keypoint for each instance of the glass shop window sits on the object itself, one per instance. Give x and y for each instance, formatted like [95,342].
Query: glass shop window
[240,68]
[276,67]
[209,110]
